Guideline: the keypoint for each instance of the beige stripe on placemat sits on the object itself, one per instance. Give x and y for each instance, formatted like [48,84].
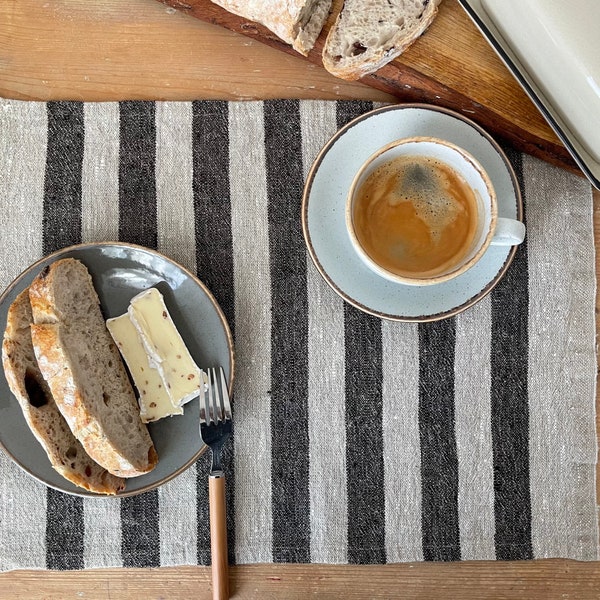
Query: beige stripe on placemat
[174,189]
[23,533]
[473,432]
[562,338]
[327,439]
[102,540]
[100,223]
[23,136]
[178,520]
[326,400]
[401,439]
[252,284]
[176,239]
[100,173]
[23,128]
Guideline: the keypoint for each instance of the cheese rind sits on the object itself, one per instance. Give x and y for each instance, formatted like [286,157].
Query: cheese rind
[165,347]
[154,401]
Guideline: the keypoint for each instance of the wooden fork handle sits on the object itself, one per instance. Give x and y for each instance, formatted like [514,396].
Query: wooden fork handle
[218,536]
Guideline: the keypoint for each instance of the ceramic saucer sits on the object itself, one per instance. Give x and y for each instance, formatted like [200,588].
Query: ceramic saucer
[323,213]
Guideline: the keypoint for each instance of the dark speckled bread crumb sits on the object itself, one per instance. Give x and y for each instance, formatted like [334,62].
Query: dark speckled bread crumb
[368,34]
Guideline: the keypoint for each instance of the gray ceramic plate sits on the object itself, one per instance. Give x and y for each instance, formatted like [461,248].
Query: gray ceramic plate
[324,224]
[119,272]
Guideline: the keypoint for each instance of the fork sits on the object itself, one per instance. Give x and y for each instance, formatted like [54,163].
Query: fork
[215,428]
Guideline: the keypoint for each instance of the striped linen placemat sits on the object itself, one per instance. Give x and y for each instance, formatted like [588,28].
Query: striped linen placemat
[356,440]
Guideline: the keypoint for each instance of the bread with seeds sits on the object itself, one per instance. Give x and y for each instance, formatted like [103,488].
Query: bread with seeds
[368,34]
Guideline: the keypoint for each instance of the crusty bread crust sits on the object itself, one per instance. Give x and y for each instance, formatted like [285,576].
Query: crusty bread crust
[25,380]
[296,22]
[84,370]
[368,34]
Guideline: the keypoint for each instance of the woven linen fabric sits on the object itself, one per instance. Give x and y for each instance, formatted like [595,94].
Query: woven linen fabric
[356,440]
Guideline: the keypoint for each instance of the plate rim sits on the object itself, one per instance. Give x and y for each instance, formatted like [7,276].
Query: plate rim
[306,199]
[63,252]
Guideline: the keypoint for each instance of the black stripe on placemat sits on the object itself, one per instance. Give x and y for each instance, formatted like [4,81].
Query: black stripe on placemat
[64,531]
[364,413]
[347,110]
[439,457]
[214,264]
[212,202]
[509,404]
[62,181]
[364,437]
[137,182]
[140,543]
[62,227]
[289,334]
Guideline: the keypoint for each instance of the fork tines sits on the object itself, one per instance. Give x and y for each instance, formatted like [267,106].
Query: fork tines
[216,407]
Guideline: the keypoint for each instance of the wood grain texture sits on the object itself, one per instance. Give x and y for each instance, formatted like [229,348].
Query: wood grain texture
[536,580]
[141,49]
[218,537]
[450,65]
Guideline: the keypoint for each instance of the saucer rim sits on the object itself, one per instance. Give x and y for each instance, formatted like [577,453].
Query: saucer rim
[427,317]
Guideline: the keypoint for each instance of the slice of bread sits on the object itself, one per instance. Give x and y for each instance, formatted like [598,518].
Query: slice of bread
[368,34]
[66,454]
[84,370]
[296,22]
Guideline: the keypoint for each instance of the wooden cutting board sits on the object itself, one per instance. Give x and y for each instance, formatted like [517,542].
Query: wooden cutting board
[451,65]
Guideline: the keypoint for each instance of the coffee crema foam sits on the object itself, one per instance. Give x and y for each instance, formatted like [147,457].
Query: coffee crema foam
[415,217]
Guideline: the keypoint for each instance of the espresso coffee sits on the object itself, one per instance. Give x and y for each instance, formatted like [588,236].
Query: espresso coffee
[416,217]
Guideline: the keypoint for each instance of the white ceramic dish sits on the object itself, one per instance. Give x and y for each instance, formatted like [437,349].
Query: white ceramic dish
[324,225]
[552,47]
[119,272]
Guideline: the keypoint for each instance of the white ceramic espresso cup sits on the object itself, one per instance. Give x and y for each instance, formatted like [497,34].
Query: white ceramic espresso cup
[490,230]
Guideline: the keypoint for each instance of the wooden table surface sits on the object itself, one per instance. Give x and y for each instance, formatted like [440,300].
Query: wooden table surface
[140,49]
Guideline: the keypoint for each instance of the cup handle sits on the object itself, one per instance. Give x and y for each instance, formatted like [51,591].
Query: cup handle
[509,232]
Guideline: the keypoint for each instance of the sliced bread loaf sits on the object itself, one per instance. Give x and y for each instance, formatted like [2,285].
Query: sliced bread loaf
[368,34]
[66,454]
[296,22]
[79,360]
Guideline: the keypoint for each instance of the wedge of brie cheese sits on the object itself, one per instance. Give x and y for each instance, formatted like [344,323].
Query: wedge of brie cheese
[154,401]
[164,347]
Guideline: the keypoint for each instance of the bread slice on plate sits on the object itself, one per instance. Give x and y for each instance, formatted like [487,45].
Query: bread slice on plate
[296,22]
[368,34]
[84,370]
[25,380]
